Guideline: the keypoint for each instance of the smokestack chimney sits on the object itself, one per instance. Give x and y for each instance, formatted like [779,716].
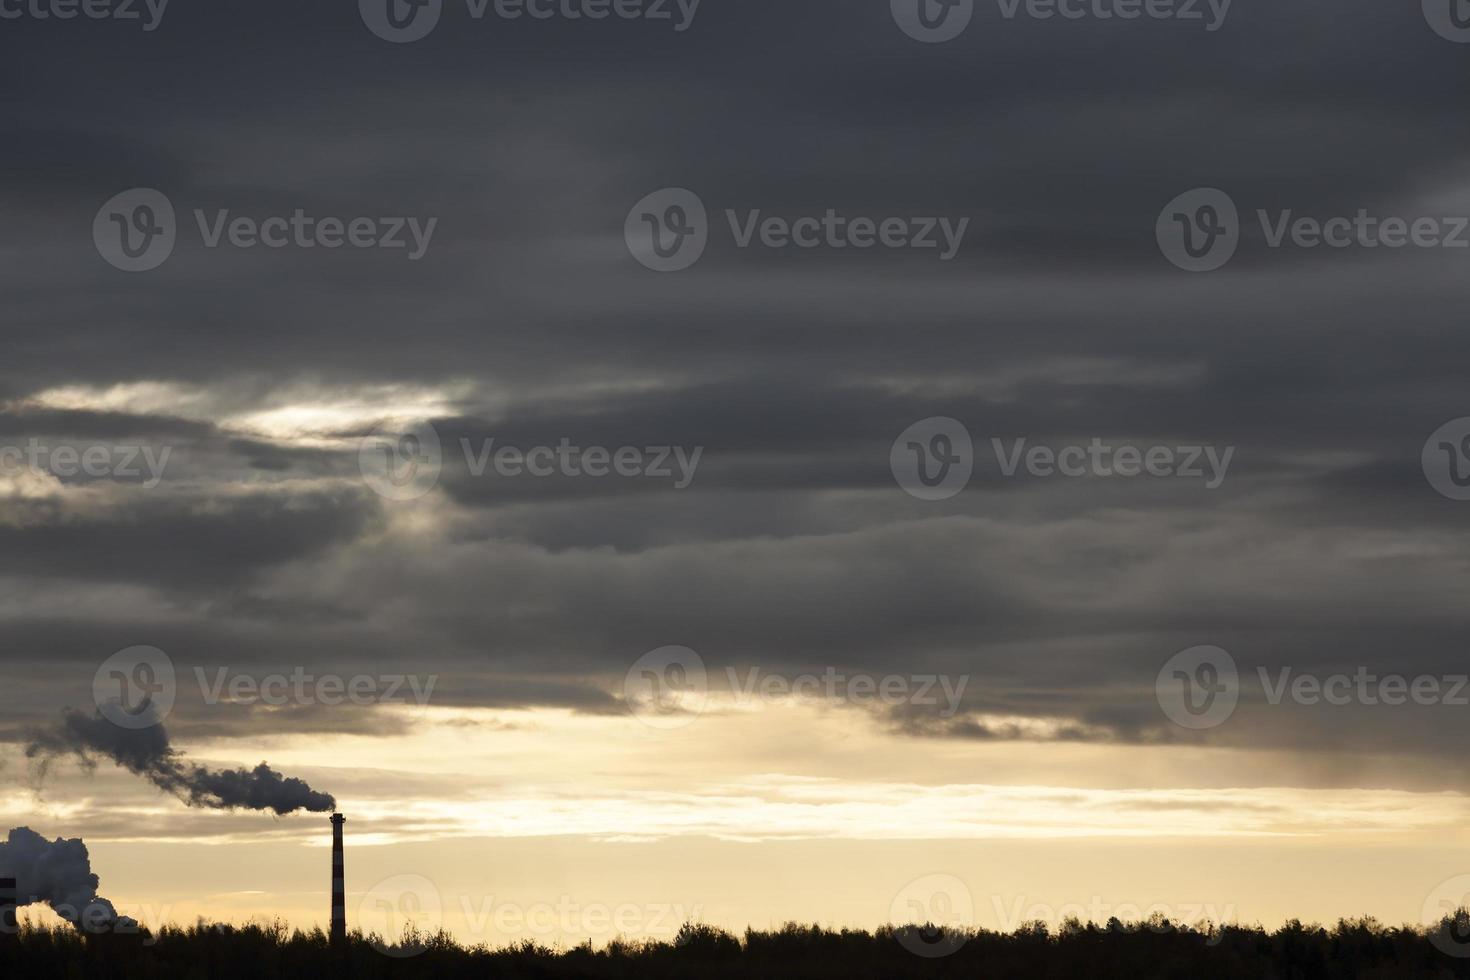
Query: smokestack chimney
[339,887]
[7,908]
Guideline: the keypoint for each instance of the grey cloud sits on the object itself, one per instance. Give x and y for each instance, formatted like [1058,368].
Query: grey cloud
[181,543]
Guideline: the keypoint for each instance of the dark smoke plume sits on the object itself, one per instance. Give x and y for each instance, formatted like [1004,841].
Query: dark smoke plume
[59,873]
[147,752]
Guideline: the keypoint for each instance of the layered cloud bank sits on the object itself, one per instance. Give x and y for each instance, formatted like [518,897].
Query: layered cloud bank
[256,545]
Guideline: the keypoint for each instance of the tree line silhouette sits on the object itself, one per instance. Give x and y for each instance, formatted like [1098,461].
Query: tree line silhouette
[1360,949]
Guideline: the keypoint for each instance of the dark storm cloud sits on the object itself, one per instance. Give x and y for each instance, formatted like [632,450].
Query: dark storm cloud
[180,544]
[490,126]
[1058,321]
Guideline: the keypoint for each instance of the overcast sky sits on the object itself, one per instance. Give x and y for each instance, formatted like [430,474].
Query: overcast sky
[260,545]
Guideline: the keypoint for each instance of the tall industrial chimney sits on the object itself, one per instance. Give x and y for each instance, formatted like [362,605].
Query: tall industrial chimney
[339,888]
[7,908]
